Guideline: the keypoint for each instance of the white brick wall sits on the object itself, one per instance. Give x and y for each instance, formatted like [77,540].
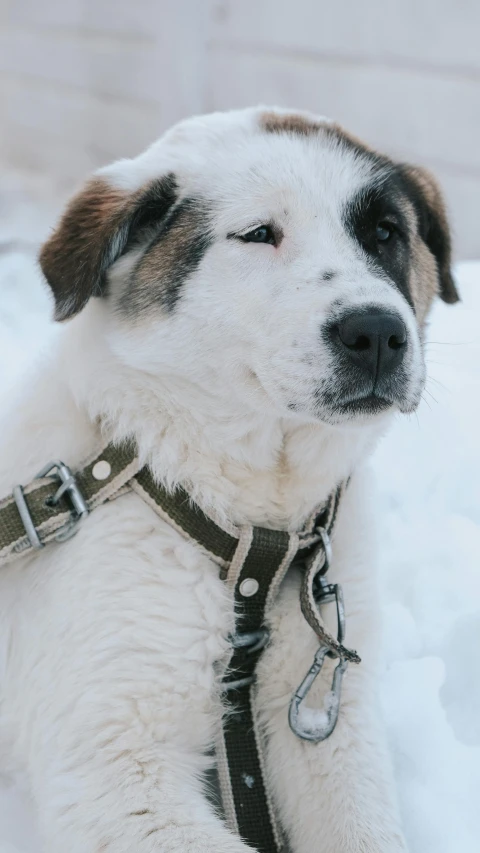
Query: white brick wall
[84,81]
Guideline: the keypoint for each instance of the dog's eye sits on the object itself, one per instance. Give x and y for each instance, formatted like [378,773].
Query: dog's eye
[262,234]
[384,231]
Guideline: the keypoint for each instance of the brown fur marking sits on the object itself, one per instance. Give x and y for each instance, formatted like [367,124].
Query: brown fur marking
[71,258]
[93,233]
[423,279]
[167,263]
[290,123]
[295,123]
[437,235]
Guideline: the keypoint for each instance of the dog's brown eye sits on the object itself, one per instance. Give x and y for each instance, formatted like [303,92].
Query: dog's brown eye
[384,231]
[263,234]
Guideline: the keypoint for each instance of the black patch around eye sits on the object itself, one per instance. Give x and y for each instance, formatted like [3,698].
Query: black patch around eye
[368,219]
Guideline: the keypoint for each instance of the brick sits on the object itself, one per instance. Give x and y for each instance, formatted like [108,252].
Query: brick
[104,16]
[166,67]
[93,130]
[438,32]
[132,71]
[462,193]
[167,22]
[48,13]
[4,11]
[411,114]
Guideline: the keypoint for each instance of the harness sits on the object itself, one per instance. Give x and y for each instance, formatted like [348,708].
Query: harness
[253,562]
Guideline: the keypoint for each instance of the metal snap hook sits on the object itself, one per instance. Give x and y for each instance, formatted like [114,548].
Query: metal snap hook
[321,724]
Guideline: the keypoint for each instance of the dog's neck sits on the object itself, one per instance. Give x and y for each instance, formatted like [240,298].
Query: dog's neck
[250,466]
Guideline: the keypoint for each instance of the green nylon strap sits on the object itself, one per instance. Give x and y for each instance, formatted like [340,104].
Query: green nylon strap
[242,778]
[192,521]
[49,517]
[267,551]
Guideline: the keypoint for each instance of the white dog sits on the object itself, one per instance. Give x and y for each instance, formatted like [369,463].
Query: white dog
[246,300]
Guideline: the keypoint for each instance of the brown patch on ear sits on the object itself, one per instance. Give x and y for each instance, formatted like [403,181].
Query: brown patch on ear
[95,230]
[423,275]
[426,197]
[272,122]
[74,259]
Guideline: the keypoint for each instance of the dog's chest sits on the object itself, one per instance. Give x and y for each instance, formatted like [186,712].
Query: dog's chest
[147,611]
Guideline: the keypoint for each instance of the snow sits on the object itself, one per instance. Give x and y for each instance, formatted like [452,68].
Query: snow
[428,470]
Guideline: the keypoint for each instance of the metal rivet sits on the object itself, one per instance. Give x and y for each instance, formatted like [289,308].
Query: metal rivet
[249,587]
[101,470]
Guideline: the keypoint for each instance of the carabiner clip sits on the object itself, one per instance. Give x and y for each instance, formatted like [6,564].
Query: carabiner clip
[319,725]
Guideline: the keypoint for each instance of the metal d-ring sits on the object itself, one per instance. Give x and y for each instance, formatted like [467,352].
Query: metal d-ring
[251,642]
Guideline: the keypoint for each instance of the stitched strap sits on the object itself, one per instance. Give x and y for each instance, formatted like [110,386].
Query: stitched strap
[263,559]
[178,509]
[222,543]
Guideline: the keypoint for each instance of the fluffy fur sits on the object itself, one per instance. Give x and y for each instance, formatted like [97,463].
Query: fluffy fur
[216,355]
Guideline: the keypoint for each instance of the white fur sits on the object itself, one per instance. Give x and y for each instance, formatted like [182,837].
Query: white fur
[108,642]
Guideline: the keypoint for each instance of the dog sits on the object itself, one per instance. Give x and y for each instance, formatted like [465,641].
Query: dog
[247,301]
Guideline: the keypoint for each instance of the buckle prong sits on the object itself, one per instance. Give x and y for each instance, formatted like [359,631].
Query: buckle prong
[68,485]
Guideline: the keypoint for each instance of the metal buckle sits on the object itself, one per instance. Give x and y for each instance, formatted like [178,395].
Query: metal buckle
[322,727]
[69,486]
[251,641]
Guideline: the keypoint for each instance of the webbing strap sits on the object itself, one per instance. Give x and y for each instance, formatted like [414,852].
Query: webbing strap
[255,575]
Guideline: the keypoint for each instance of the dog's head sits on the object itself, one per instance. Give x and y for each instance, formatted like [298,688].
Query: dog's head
[267,251]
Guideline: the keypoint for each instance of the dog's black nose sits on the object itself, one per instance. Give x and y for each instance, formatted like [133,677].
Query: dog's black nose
[374,341]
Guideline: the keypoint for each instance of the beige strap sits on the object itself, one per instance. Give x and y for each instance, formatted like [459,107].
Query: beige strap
[45,510]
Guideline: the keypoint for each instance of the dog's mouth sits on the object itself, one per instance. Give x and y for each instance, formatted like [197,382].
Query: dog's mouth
[367,404]
[346,397]
[337,404]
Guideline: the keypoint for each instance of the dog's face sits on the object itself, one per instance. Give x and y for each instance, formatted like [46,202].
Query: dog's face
[268,252]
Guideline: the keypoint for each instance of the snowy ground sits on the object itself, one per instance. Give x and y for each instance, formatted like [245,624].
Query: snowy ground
[429,520]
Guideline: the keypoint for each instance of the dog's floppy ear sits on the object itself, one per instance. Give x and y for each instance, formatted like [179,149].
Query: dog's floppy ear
[97,227]
[427,199]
